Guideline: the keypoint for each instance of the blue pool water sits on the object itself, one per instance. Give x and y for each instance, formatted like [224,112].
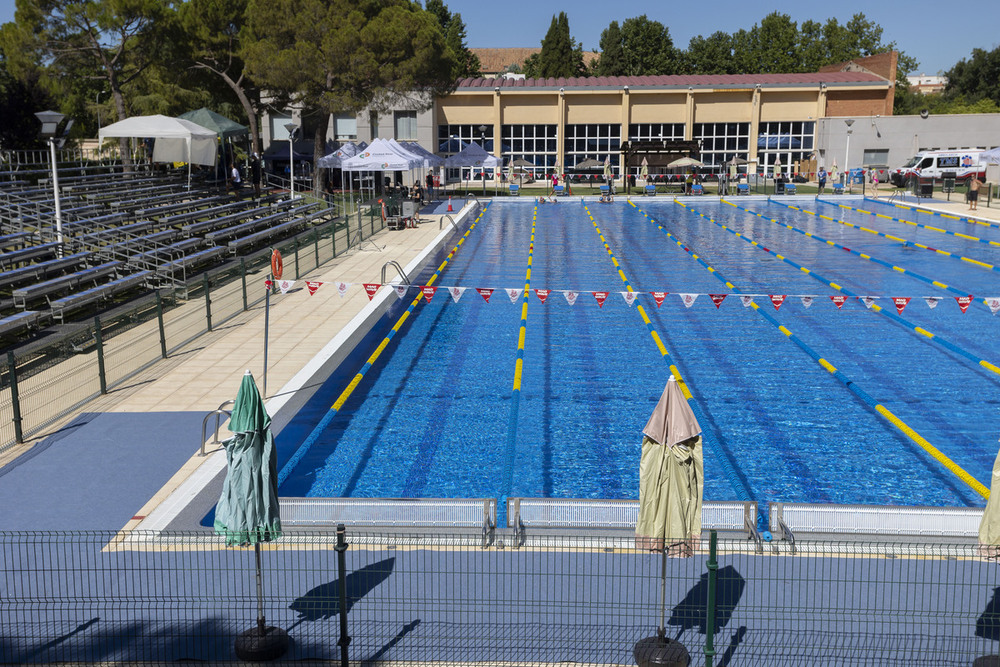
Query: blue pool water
[433,417]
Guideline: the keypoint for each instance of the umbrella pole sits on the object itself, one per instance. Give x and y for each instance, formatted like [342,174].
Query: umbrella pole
[260,590]
[662,631]
[267,314]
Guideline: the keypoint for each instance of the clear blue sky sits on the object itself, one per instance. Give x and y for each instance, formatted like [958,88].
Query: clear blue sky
[937,33]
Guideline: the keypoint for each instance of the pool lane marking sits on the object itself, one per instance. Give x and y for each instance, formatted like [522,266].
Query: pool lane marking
[899,319]
[313,436]
[949,216]
[939,230]
[734,480]
[852,386]
[515,396]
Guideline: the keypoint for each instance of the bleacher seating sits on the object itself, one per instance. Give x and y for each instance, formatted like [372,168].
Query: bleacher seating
[10,259]
[18,321]
[262,237]
[101,292]
[42,270]
[25,295]
[14,240]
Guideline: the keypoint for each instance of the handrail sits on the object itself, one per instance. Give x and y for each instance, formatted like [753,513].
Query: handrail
[402,274]
[217,412]
[441,223]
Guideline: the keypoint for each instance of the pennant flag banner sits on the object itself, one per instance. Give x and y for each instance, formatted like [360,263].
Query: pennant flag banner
[571,297]
[659,297]
[688,299]
[400,291]
[456,293]
[994,303]
[963,302]
[932,301]
[268,284]
[630,297]
[485,292]
[514,294]
[542,294]
[312,286]
[601,298]
[428,292]
[717,299]
[900,302]
[807,301]
[285,285]
[746,299]
[371,288]
[869,301]
[777,300]
[839,299]
[342,288]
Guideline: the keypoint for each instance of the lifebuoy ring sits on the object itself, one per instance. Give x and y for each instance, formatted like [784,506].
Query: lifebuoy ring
[277,266]
[383,209]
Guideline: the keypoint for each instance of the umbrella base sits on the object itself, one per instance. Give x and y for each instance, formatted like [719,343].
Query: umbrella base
[255,646]
[657,651]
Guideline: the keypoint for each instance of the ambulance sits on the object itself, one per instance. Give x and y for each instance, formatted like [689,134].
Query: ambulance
[932,164]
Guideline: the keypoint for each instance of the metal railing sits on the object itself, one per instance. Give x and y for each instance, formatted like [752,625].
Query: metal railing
[366,596]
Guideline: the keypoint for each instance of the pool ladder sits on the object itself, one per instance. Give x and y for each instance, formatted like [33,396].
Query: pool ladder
[217,413]
[399,269]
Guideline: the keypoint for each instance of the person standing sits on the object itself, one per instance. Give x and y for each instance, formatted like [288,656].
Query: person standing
[821,177]
[234,178]
[974,185]
[430,185]
[255,175]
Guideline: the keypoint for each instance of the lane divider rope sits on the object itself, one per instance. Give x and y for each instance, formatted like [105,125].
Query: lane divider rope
[899,319]
[852,386]
[313,436]
[919,209]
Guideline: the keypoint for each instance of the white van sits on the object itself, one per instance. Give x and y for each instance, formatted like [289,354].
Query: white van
[932,164]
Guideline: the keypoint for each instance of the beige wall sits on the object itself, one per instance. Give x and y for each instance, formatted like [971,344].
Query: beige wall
[723,107]
[659,107]
[465,109]
[594,108]
[529,109]
[789,105]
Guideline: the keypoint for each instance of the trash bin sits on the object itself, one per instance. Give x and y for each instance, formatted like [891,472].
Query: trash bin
[779,186]
[659,651]
[948,181]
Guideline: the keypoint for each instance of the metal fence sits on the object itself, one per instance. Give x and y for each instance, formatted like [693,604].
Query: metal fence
[45,380]
[156,598]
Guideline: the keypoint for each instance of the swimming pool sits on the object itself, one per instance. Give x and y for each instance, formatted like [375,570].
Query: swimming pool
[438,416]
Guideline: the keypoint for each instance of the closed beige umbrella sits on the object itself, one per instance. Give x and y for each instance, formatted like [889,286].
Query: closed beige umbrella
[989,527]
[671,474]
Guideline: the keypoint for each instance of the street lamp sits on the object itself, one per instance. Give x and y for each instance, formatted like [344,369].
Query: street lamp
[482,142]
[847,152]
[291,127]
[50,128]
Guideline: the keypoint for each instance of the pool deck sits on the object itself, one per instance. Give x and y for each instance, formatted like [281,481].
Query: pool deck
[182,390]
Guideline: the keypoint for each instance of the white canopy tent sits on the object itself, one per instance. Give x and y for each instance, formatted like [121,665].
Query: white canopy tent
[381,155]
[473,155]
[176,139]
[334,159]
[991,156]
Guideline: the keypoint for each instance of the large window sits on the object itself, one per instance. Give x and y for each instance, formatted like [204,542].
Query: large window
[595,141]
[785,143]
[721,142]
[453,138]
[656,132]
[406,125]
[345,126]
[534,144]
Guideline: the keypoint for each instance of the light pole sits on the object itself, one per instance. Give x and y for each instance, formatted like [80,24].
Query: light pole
[482,142]
[847,152]
[50,127]
[291,127]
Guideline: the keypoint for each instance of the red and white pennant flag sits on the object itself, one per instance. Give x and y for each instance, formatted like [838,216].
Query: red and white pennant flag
[839,299]
[371,288]
[601,298]
[900,303]
[777,300]
[514,294]
[542,294]
[629,297]
[485,292]
[456,293]
[428,292]
[285,285]
[342,288]
[400,290]
[963,302]
[571,297]
[994,303]
[717,299]
[312,286]
[688,299]
[658,297]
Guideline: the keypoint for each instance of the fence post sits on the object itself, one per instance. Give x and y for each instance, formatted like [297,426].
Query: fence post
[316,245]
[333,235]
[341,548]
[243,279]
[15,399]
[713,568]
[296,257]
[159,319]
[100,354]
[208,303]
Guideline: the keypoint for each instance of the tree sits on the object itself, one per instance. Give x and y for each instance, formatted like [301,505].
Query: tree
[647,49]
[69,43]
[18,102]
[211,32]
[611,61]
[453,28]
[710,55]
[560,56]
[347,55]
[977,78]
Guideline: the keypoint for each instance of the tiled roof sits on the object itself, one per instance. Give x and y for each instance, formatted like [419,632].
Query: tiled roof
[671,81]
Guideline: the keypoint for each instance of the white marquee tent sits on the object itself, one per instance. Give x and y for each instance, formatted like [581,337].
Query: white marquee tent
[177,140]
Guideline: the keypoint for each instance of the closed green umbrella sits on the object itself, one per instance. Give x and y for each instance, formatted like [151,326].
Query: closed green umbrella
[247,512]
